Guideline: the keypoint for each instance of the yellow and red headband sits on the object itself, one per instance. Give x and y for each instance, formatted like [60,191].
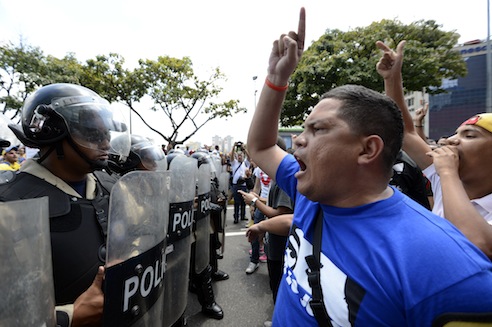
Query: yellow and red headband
[482,120]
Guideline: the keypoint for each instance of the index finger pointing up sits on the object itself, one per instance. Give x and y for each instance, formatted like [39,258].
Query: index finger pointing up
[301,29]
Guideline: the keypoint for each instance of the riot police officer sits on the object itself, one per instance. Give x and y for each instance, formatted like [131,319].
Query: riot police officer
[75,131]
[181,250]
[217,221]
[144,155]
[201,272]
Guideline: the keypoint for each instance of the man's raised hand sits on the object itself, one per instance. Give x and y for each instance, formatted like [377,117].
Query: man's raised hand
[391,61]
[287,52]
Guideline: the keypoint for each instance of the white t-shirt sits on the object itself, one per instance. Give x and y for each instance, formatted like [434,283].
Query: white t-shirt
[265,182]
[239,169]
[483,205]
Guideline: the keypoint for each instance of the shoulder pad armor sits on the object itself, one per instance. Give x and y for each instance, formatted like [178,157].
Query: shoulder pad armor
[27,186]
[7,176]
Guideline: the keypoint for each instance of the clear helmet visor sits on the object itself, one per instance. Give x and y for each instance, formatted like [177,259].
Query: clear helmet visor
[151,156]
[94,124]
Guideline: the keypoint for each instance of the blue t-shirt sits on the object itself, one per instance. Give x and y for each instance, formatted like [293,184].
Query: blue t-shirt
[387,263]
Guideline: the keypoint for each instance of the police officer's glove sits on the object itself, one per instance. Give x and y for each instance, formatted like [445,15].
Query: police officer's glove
[215,207]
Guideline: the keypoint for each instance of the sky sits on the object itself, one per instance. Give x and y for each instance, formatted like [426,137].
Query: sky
[234,36]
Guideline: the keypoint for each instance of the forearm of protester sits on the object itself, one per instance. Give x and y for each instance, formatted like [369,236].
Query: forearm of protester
[418,124]
[272,212]
[278,225]
[262,136]
[257,187]
[457,206]
[389,67]
[460,211]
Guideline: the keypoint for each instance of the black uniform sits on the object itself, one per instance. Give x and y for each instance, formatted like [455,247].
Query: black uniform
[409,179]
[77,232]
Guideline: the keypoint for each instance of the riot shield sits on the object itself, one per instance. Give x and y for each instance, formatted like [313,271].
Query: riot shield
[135,259]
[202,218]
[5,132]
[224,182]
[217,163]
[183,172]
[26,274]
[223,188]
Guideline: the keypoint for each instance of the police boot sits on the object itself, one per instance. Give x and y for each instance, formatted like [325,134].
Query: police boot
[206,297]
[217,275]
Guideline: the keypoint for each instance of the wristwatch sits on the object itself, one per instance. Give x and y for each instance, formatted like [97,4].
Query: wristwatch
[253,202]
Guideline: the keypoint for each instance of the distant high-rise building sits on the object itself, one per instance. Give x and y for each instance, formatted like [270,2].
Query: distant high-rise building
[465,96]
[217,140]
[228,142]
[225,143]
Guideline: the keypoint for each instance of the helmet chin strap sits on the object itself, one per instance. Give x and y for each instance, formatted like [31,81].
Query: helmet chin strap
[94,164]
[47,153]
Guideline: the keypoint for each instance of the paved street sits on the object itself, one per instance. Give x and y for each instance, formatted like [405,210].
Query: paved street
[245,299]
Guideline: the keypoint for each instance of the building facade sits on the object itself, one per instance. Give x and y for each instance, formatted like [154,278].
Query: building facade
[465,96]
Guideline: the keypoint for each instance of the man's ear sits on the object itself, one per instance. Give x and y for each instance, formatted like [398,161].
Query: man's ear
[372,147]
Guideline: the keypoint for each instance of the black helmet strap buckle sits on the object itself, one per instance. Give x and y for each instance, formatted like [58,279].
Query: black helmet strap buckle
[46,154]
[59,150]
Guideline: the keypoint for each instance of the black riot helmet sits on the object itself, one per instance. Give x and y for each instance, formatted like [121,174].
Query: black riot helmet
[204,157]
[4,143]
[173,154]
[68,111]
[144,155]
[201,156]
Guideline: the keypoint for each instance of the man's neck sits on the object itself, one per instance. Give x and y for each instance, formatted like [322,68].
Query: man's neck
[477,191]
[67,174]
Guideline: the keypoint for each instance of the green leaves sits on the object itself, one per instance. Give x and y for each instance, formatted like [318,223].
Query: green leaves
[339,58]
[170,83]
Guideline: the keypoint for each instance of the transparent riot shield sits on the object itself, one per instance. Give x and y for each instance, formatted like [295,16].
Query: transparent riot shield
[136,259]
[26,275]
[183,172]
[5,132]
[223,188]
[217,163]
[224,182]
[202,218]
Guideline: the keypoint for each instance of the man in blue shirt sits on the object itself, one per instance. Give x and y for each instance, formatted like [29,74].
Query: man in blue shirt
[384,260]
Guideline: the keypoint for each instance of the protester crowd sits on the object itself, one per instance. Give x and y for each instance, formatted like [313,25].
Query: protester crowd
[365,221]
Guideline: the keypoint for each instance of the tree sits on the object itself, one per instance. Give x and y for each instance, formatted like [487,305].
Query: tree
[185,99]
[171,85]
[25,68]
[339,58]
[107,76]
[65,70]
[21,73]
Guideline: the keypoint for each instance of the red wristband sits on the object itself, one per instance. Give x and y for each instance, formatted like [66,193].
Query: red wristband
[276,87]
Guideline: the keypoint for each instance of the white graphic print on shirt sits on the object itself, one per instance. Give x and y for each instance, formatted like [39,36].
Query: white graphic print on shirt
[341,295]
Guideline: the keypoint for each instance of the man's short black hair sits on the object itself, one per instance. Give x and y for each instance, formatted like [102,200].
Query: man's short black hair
[369,112]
